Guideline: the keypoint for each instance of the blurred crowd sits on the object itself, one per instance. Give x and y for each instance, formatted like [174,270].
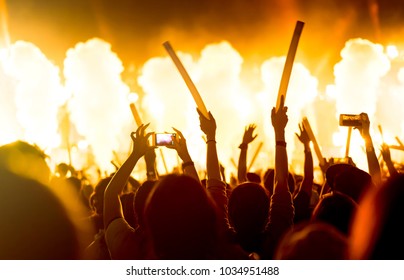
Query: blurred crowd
[276,214]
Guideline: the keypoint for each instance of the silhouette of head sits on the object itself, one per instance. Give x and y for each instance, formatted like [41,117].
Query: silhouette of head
[141,197]
[25,160]
[248,208]
[35,223]
[312,241]
[336,209]
[348,179]
[377,229]
[269,181]
[181,219]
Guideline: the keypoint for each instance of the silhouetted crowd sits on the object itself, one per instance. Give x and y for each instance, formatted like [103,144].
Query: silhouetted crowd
[274,215]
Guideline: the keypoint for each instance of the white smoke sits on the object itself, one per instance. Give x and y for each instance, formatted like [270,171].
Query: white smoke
[357,79]
[9,126]
[217,77]
[99,107]
[358,75]
[38,93]
[302,90]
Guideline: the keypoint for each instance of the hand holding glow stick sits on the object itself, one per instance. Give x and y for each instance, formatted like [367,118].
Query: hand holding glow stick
[307,126]
[287,70]
[195,94]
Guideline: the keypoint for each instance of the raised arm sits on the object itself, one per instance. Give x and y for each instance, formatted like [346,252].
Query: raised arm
[387,159]
[279,121]
[308,177]
[301,200]
[150,160]
[112,203]
[180,145]
[242,161]
[208,126]
[373,163]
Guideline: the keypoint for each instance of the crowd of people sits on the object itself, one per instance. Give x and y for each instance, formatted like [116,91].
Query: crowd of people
[275,215]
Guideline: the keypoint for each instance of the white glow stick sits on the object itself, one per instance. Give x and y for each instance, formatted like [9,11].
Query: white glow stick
[135,114]
[287,70]
[195,94]
[307,127]
[255,155]
[164,160]
[348,141]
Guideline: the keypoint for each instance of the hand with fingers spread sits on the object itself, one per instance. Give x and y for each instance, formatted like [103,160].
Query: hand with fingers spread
[248,134]
[140,141]
[303,137]
[242,161]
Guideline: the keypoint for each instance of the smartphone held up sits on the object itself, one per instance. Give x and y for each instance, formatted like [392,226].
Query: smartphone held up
[163,139]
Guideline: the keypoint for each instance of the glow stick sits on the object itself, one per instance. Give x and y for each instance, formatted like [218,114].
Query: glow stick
[135,114]
[381,132]
[348,141]
[195,94]
[395,147]
[399,142]
[164,160]
[307,127]
[287,70]
[255,155]
[234,163]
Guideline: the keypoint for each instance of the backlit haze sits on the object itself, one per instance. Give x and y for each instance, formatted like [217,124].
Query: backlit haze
[67,81]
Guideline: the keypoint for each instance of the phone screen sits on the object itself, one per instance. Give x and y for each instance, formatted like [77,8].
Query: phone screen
[164,139]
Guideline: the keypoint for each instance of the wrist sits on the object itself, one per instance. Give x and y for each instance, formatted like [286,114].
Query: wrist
[243,146]
[187,164]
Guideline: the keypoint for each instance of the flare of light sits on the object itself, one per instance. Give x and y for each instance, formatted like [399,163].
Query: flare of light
[99,106]
[392,52]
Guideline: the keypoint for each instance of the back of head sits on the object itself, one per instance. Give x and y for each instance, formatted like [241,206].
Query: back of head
[25,160]
[97,197]
[349,180]
[269,181]
[181,219]
[335,209]
[35,224]
[377,229]
[141,197]
[248,208]
[312,241]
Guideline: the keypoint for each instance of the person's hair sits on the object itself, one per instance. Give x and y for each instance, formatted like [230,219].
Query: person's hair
[248,208]
[181,219]
[336,209]
[35,223]
[26,160]
[312,241]
[377,229]
[141,197]
[269,181]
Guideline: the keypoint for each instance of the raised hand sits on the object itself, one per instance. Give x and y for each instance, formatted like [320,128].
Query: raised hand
[180,145]
[208,126]
[279,118]
[140,141]
[385,150]
[248,134]
[303,137]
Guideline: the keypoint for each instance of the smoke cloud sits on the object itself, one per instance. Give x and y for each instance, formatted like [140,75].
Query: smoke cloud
[99,107]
